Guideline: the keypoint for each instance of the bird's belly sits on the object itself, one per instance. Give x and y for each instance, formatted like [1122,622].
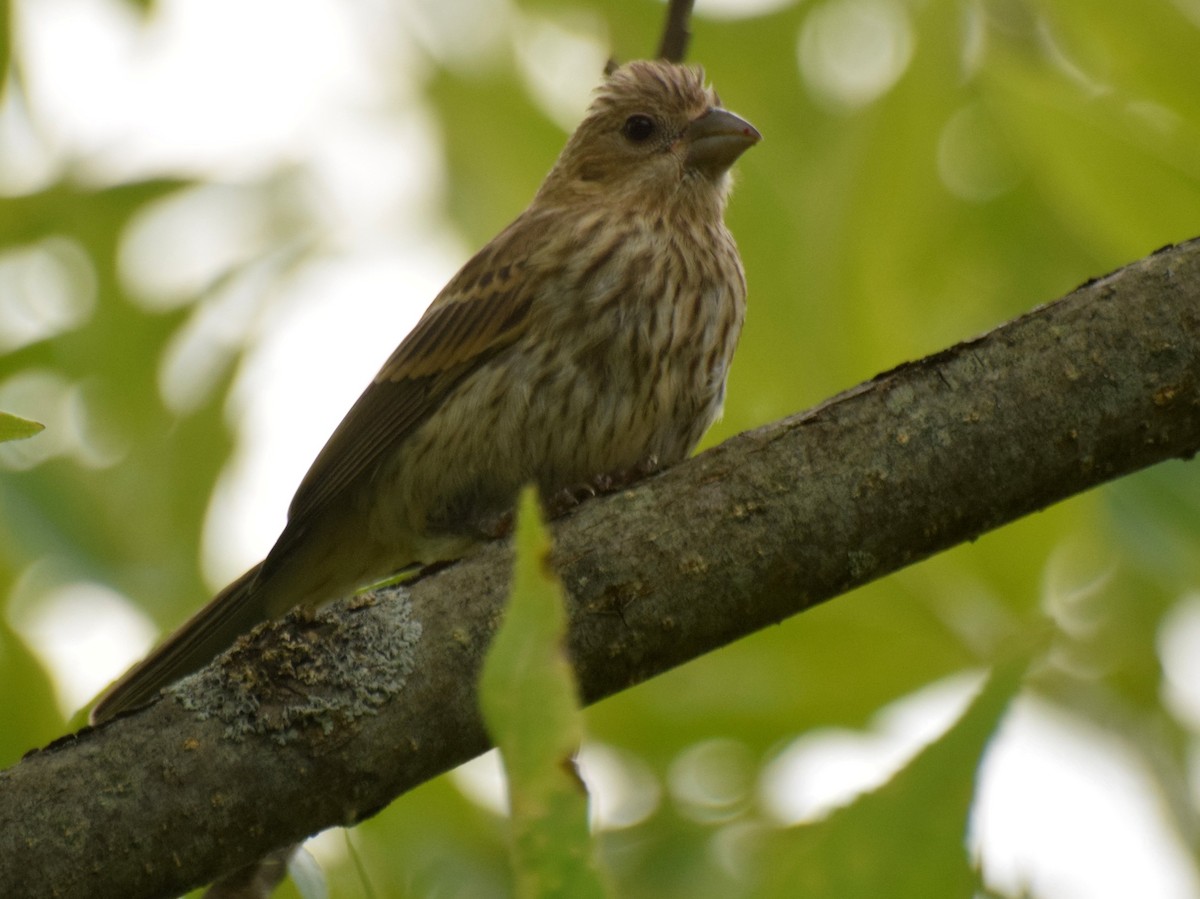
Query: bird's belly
[542,414]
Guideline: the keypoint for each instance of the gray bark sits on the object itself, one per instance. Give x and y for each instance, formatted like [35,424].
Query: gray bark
[318,722]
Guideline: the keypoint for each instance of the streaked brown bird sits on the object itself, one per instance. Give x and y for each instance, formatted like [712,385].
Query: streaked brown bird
[591,337]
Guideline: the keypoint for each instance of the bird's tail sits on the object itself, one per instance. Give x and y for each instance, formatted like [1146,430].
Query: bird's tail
[200,639]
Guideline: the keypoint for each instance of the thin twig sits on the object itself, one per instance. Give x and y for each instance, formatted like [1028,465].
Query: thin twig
[676,33]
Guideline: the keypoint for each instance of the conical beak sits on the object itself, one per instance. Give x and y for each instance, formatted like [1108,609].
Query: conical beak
[716,139]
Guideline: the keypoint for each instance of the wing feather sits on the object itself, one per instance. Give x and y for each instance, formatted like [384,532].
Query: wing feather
[483,309]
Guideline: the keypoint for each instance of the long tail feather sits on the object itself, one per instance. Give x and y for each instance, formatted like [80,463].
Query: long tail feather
[233,611]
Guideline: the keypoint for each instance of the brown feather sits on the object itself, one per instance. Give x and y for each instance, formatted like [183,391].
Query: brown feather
[589,338]
[466,323]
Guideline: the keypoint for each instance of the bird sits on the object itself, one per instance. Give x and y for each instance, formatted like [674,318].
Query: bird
[591,338]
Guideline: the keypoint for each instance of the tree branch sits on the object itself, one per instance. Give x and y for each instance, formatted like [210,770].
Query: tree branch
[324,721]
[676,31]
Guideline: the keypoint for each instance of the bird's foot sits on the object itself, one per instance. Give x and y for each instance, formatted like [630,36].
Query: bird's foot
[568,498]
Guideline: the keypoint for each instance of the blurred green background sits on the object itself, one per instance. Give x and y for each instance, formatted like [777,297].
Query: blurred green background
[930,169]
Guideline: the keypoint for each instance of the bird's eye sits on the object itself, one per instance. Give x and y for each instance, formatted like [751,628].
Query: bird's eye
[638,128]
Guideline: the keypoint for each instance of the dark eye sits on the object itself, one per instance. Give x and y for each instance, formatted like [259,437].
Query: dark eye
[638,128]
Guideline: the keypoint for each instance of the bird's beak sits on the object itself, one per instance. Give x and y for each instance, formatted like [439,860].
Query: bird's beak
[716,139]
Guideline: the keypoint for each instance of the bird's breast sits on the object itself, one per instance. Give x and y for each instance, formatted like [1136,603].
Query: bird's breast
[623,362]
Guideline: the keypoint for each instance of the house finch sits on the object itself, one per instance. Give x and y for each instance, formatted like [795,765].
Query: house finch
[591,337]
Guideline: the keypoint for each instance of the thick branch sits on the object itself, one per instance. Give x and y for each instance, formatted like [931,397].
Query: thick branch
[1099,384]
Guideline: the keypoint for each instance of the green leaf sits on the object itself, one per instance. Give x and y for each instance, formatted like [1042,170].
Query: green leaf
[921,813]
[31,716]
[530,704]
[487,190]
[14,428]
[5,40]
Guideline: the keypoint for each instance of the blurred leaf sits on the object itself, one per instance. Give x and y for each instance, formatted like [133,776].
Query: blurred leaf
[907,838]
[430,841]
[1141,52]
[31,717]
[5,42]
[861,250]
[489,189]
[123,501]
[13,427]
[531,707]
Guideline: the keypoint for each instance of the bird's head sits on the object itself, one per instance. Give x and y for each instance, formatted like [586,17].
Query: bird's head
[654,135]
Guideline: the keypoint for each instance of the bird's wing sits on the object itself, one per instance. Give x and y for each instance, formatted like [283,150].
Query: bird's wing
[483,309]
